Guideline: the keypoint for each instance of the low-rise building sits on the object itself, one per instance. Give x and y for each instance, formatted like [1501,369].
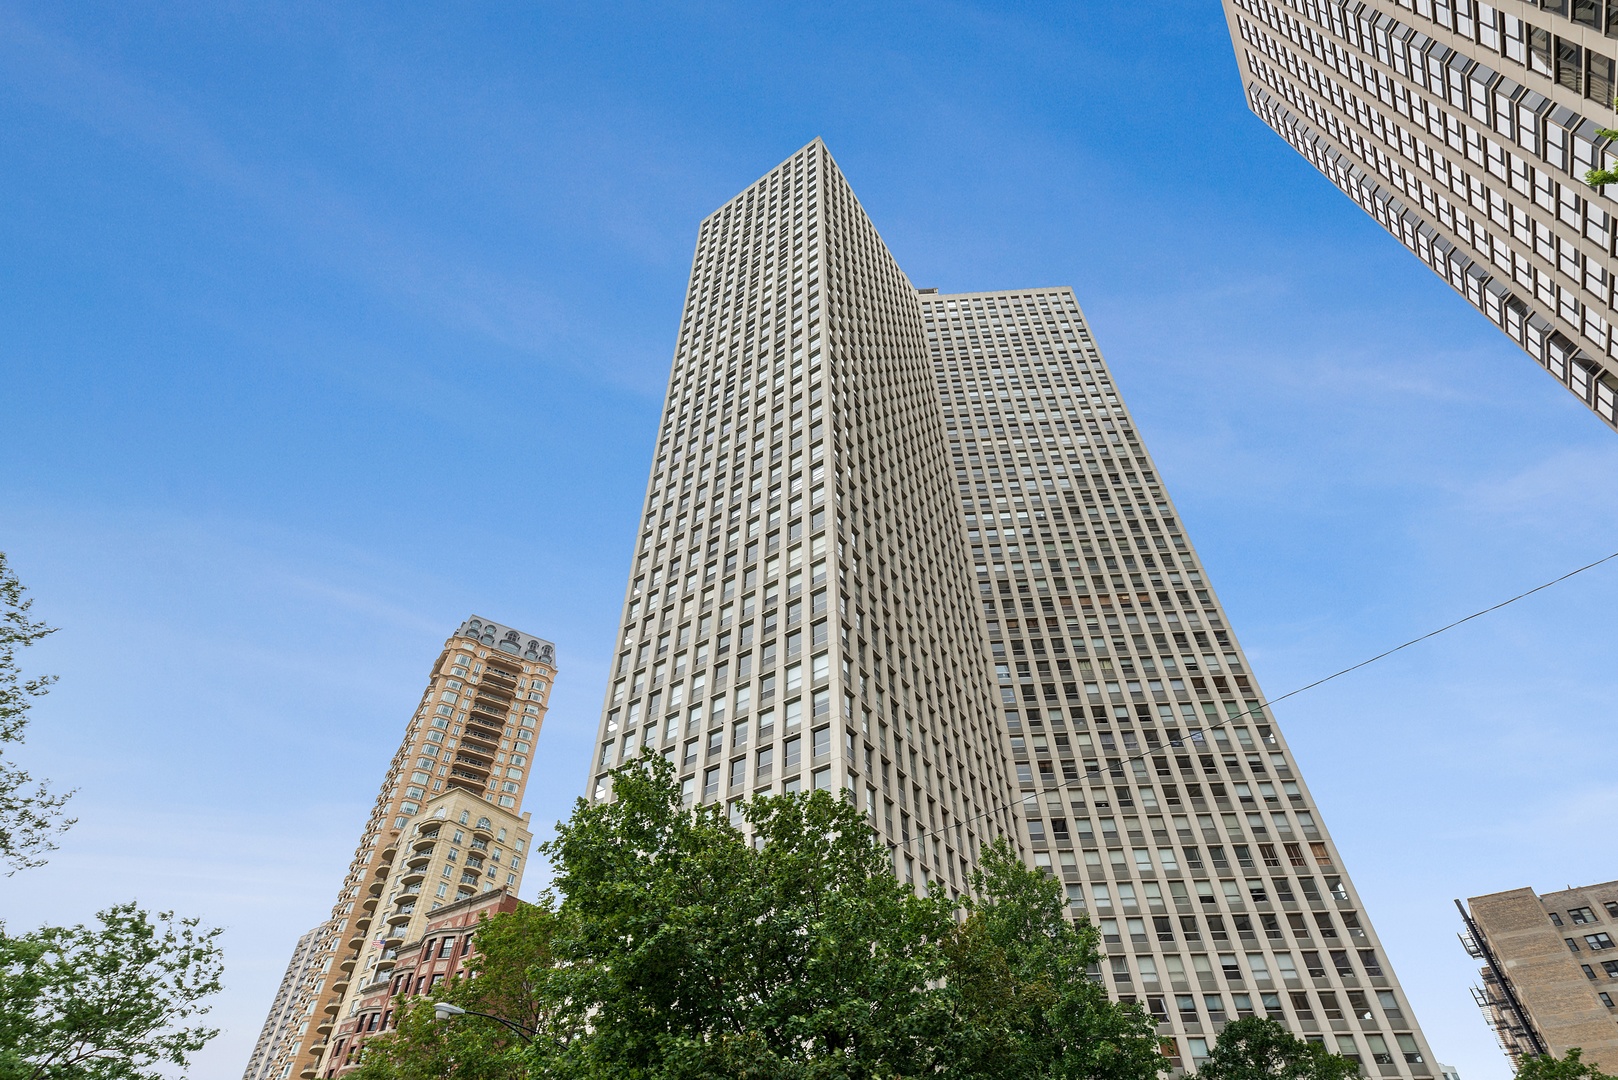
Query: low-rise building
[440,954]
[1550,970]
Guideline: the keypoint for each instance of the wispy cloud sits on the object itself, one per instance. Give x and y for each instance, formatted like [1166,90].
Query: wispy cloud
[503,307]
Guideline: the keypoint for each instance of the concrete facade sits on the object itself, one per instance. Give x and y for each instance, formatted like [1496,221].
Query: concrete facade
[1152,778]
[909,546]
[796,615]
[1553,983]
[1465,129]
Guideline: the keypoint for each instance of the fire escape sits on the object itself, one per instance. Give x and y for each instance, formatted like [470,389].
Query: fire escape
[1502,1009]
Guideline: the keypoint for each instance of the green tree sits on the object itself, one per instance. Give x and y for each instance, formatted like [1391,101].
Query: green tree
[513,967]
[1018,969]
[107,1002]
[1551,1067]
[684,946]
[698,954]
[1258,1048]
[30,816]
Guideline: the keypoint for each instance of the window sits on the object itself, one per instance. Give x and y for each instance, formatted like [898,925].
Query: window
[1600,84]
[1556,919]
[1539,50]
[710,782]
[738,772]
[1569,65]
[1597,942]
[1572,946]
[1407,1044]
[1582,916]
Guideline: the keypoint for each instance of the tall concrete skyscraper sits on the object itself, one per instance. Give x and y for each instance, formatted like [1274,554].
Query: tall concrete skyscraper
[796,615]
[909,546]
[1465,129]
[472,734]
[1153,780]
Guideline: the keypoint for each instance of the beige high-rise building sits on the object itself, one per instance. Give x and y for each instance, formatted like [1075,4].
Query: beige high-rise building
[909,546]
[458,847]
[1550,970]
[473,733]
[1465,129]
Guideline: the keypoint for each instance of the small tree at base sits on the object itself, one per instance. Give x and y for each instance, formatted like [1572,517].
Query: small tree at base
[1258,1048]
[1571,1067]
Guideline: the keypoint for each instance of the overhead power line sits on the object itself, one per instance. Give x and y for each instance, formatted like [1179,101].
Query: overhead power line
[1257,711]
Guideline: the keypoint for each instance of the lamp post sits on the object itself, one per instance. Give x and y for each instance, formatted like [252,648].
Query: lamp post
[443,1010]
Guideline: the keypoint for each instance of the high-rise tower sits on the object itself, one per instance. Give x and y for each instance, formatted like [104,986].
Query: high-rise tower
[284,1011]
[909,546]
[472,733]
[1465,129]
[796,615]
[1153,781]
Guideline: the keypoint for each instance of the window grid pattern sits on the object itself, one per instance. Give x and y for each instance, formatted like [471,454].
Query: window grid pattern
[791,621]
[1200,856]
[1475,165]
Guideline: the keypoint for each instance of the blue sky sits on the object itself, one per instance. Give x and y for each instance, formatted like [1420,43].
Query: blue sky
[323,328]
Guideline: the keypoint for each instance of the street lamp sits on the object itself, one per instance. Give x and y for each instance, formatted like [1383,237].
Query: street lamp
[443,1010]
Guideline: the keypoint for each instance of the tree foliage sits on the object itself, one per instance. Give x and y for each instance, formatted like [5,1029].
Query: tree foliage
[684,946]
[30,816]
[1017,967]
[1570,1067]
[1258,1048]
[512,967]
[106,1002]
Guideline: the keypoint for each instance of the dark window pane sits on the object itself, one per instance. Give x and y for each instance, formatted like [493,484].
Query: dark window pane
[1569,65]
